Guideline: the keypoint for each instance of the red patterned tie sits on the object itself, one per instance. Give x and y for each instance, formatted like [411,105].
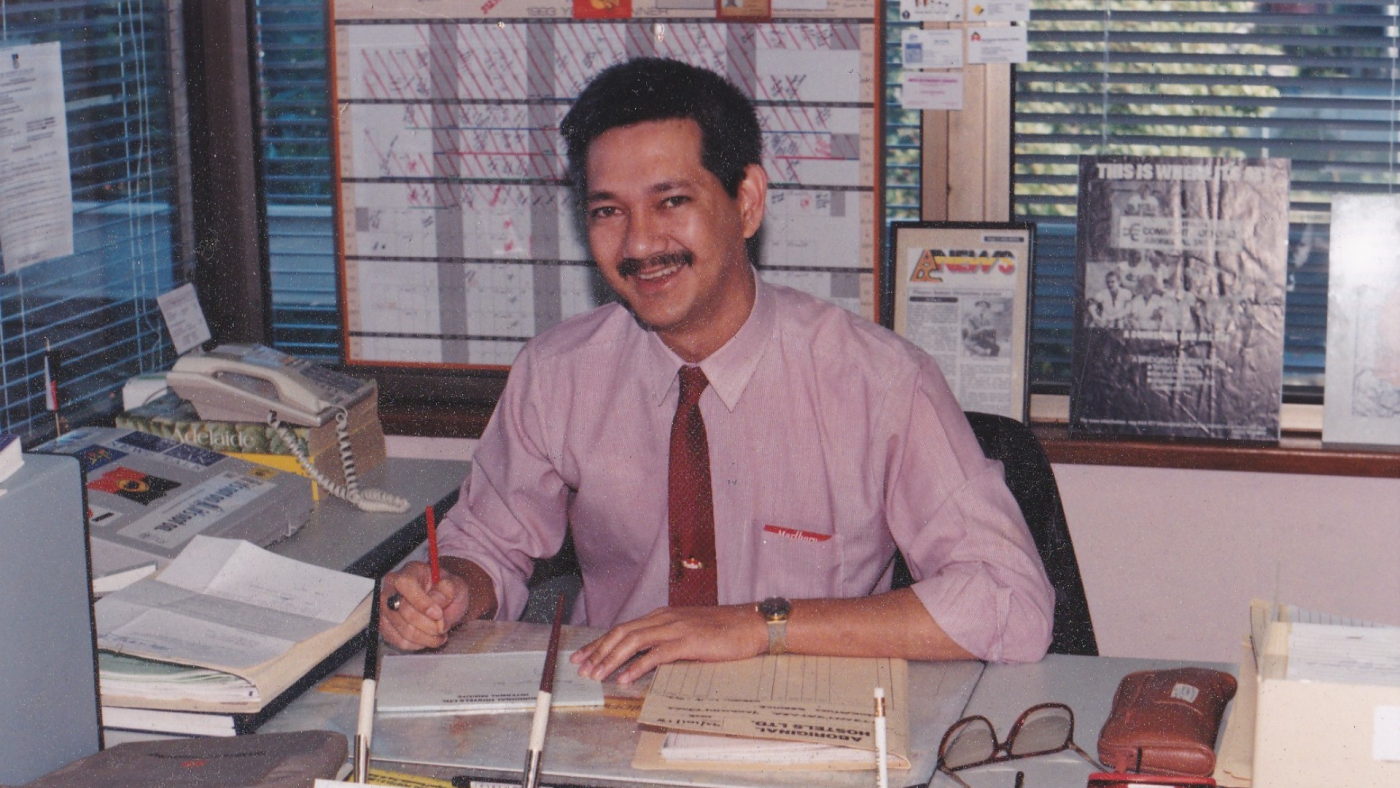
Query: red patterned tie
[690,505]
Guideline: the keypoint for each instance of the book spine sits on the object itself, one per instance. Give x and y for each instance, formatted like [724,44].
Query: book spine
[224,436]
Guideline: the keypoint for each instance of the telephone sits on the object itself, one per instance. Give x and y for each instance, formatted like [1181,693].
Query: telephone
[245,382]
[257,383]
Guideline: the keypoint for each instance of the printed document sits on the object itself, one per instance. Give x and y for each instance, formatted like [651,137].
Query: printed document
[226,604]
[438,684]
[36,190]
[791,698]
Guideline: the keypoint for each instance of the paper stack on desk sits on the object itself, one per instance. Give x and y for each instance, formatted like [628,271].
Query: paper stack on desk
[148,496]
[221,637]
[423,685]
[1326,694]
[774,712]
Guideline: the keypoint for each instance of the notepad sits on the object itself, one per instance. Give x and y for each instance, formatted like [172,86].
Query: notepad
[412,685]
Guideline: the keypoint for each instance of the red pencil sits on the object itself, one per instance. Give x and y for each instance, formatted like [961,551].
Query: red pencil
[432,546]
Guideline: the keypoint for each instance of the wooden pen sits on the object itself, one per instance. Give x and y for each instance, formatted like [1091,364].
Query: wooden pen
[542,700]
[365,728]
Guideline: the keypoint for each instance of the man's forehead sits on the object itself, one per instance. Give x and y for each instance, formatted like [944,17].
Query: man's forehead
[682,134]
[652,157]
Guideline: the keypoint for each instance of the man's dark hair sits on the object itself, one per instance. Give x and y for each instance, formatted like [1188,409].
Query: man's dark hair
[648,89]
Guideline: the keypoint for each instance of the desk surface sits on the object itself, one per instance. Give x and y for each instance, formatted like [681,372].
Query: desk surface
[339,536]
[1085,684]
[593,748]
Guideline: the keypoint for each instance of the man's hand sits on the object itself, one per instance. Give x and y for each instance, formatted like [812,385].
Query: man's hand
[424,617]
[667,634]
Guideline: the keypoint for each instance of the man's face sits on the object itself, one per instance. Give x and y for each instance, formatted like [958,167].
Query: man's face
[666,235]
[1110,281]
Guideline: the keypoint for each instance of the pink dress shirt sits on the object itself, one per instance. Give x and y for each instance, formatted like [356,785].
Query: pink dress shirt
[832,441]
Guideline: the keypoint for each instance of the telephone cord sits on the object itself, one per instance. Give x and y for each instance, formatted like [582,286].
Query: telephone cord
[366,499]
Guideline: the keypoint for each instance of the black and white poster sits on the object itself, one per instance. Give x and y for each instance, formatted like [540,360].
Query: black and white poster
[1180,280]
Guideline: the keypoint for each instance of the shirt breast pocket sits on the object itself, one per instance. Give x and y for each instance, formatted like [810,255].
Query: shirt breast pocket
[796,563]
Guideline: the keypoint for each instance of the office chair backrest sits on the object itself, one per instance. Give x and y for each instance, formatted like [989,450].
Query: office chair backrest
[1032,483]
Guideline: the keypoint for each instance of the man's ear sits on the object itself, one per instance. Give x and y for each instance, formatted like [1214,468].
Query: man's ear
[753,198]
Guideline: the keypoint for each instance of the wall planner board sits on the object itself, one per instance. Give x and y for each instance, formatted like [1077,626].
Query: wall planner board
[459,239]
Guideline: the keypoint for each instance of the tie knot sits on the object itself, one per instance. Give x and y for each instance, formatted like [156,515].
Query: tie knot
[693,383]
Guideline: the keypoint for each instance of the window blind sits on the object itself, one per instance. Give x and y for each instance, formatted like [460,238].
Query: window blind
[1308,81]
[96,309]
[293,102]
[1311,82]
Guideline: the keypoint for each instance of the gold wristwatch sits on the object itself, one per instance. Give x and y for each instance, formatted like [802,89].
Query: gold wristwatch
[775,612]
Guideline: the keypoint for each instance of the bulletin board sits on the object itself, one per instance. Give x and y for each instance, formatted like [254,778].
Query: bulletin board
[457,235]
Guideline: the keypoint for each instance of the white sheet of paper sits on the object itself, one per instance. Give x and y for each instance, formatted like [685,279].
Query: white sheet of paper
[932,48]
[177,638]
[931,10]
[997,45]
[226,602]
[1385,739]
[240,571]
[999,10]
[1347,655]
[932,90]
[36,189]
[428,684]
[184,319]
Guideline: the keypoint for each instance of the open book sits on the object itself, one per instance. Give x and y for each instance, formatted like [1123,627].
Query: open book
[225,628]
[774,712]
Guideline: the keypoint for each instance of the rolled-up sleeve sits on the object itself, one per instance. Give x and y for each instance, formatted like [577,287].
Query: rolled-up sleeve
[512,508]
[975,565]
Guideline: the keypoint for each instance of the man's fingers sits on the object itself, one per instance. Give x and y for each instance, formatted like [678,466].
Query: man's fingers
[627,641]
[644,662]
[407,638]
[415,596]
[423,617]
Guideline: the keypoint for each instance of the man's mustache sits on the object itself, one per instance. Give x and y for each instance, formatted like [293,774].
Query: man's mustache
[631,266]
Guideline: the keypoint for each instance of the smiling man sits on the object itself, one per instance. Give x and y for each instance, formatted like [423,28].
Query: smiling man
[738,462]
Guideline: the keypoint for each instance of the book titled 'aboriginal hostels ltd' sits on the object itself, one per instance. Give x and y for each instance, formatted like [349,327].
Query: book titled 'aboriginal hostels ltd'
[1181,272]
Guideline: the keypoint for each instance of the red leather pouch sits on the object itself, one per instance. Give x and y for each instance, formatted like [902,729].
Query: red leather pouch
[1165,721]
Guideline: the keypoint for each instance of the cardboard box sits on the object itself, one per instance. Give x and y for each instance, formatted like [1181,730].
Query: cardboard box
[1332,716]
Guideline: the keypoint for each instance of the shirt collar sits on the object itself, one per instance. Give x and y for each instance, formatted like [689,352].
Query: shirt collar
[728,369]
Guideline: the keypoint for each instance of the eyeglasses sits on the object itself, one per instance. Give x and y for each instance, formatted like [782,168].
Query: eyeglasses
[1040,730]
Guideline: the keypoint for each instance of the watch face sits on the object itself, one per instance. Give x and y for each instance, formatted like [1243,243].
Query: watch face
[774,607]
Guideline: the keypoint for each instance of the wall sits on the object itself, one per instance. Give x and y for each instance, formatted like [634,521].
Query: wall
[1171,558]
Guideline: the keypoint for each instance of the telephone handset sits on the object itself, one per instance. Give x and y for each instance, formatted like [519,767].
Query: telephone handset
[257,383]
[245,382]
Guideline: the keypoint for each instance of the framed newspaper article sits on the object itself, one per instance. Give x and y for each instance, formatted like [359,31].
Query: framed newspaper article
[962,293]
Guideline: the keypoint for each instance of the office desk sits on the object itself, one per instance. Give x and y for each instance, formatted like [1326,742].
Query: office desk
[594,748]
[1085,684]
[339,536]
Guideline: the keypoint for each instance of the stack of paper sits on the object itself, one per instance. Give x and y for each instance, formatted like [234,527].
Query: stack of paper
[420,685]
[134,677]
[225,629]
[783,712]
[1319,703]
[147,497]
[680,749]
